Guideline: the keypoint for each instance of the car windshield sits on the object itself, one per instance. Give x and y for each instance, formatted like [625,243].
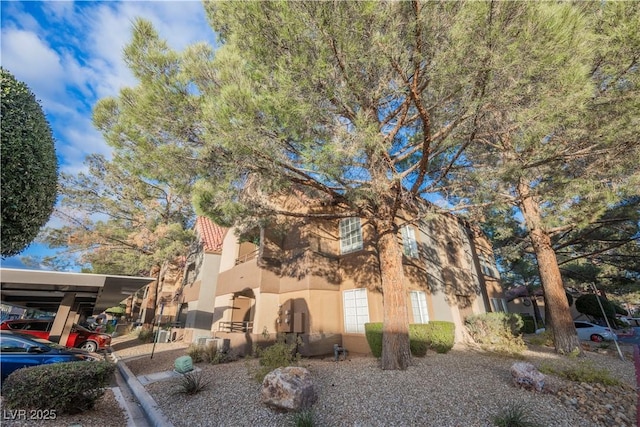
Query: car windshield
[81,328]
[47,342]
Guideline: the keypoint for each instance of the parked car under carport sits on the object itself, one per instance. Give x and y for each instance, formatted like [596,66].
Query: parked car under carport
[79,337]
[19,351]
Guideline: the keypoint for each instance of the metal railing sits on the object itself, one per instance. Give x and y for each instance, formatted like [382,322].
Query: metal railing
[246,257]
[245,326]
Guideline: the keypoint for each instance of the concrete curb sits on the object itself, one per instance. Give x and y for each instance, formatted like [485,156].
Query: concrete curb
[149,406]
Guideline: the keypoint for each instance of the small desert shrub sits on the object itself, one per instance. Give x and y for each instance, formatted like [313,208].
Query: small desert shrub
[278,355]
[514,415]
[192,383]
[583,371]
[303,419]
[435,335]
[196,352]
[209,354]
[543,338]
[498,332]
[64,387]
[145,335]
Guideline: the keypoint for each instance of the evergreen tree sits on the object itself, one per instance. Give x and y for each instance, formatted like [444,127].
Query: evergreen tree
[559,144]
[29,166]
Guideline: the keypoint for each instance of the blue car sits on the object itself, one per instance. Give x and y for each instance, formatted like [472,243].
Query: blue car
[22,351]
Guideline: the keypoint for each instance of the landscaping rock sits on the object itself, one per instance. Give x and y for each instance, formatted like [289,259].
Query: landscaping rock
[526,376]
[289,389]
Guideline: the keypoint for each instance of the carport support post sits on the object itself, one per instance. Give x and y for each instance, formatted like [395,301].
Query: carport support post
[62,316]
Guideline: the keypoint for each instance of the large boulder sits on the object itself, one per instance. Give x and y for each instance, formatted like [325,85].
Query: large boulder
[526,376]
[288,389]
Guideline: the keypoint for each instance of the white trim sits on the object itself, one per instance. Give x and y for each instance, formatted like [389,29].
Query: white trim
[350,235]
[419,306]
[409,242]
[356,310]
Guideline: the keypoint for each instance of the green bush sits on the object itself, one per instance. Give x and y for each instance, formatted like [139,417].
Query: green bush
[145,335]
[419,339]
[497,331]
[278,355]
[64,387]
[373,332]
[529,324]
[435,335]
[441,335]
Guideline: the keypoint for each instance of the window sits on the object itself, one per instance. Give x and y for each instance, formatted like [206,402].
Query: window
[499,304]
[13,345]
[350,235]
[409,243]
[487,266]
[356,310]
[419,307]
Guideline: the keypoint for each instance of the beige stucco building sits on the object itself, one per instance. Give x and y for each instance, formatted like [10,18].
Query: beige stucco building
[320,280]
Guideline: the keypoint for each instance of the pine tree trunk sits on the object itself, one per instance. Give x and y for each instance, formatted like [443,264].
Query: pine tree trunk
[152,298]
[395,331]
[559,318]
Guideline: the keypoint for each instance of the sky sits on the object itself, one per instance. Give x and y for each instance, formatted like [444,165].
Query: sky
[69,53]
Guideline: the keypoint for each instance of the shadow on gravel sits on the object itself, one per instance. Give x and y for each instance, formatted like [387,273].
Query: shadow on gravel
[163,360]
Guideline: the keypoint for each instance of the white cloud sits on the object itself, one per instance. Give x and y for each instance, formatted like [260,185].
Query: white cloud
[71,54]
[27,57]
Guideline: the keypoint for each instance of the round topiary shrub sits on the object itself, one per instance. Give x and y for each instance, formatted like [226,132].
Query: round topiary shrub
[29,166]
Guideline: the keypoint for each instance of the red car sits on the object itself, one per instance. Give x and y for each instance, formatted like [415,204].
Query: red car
[79,337]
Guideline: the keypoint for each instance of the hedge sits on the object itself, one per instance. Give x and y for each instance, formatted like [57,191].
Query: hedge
[435,335]
[69,387]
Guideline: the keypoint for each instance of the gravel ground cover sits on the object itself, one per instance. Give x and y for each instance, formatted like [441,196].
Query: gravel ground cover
[465,387]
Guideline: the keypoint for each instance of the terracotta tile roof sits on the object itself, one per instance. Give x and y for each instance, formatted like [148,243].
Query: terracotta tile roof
[211,234]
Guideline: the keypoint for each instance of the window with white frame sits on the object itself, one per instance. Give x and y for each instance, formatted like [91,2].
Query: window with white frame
[350,235]
[488,267]
[419,307]
[356,310]
[409,243]
[499,304]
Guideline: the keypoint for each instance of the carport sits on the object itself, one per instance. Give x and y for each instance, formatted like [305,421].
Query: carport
[70,295]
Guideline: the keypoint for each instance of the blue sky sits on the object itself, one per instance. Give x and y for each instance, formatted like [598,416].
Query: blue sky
[70,55]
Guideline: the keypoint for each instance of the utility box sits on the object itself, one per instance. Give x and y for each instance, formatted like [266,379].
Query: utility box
[285,317]
[298,322]
[183,364]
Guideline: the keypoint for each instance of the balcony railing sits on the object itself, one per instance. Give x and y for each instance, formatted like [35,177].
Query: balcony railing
[246,257]
[245,326]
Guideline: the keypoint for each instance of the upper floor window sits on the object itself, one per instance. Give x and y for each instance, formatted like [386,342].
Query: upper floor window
[488,267]
[409,243]
[350,235]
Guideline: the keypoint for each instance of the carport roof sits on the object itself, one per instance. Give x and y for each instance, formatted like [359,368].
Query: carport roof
[44,290]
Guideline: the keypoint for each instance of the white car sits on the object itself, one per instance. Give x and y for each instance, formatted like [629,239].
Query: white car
[592,332]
